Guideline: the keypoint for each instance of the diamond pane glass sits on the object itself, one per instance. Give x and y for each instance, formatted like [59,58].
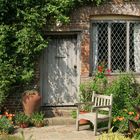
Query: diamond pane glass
[131,48]
[118,47]
[134,37]
[103,44]
[119,43]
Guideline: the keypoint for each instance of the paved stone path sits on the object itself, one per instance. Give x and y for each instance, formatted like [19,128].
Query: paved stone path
[59,132]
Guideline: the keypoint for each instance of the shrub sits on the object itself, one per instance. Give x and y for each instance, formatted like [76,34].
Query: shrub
[123,122]
[6,125]
[137,134]
[98,84]
[113,136]
[86,90]
[125,93]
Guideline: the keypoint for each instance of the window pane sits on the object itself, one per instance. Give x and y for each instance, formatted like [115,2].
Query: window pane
[103,44]
[131,50]
[135,47]
[118,47]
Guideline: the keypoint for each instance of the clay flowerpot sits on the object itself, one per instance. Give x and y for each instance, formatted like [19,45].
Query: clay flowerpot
[83,121]
[39,125]
[23,125]
[31,102]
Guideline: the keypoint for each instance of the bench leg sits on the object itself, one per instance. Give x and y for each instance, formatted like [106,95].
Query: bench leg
[77,124]
[95,128]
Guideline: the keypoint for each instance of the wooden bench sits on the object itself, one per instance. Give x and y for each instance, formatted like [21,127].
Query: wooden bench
[98,103]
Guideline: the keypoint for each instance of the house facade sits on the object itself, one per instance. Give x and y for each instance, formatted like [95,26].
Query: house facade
[108,34]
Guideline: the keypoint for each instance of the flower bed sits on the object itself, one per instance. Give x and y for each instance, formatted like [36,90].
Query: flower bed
[9,121]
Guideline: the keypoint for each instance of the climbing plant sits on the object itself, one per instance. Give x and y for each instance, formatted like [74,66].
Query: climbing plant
[22,38]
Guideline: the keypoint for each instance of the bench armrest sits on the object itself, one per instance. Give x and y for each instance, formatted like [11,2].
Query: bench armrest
[82,103]
[106,106]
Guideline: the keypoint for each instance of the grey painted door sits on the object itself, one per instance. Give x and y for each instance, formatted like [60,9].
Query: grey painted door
[61,71]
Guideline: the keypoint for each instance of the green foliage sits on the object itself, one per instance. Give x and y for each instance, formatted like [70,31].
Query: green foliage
[8,137]
[86,94]
[113,136]
[86,91]
[74,114]
[125,92]
[123,122]
[21,118]
[99,83]
[137,134]
[6,125]
[37,118]
[11,137]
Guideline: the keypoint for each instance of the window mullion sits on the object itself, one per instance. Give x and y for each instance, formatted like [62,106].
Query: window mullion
[109,45]
[127,46]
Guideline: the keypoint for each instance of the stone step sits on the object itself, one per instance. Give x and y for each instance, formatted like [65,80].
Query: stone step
[60,120]
[58,111]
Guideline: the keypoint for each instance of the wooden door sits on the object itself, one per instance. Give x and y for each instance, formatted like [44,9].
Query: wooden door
[60,73]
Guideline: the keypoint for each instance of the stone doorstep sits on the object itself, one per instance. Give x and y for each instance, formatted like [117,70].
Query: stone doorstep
[58,111]
[59,115]
[60,121]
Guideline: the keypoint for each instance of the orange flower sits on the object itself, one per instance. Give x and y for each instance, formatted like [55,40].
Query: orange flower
[10,115]
[130,113]
[0,116]
[5,113]
[120,118]
[9,118]
[137,117]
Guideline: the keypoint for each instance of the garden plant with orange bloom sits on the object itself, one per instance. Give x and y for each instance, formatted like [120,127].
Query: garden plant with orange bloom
[122,121]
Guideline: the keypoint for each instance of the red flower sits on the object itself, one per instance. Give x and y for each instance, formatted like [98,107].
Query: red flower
[137,117]
[100,68]
[108,72]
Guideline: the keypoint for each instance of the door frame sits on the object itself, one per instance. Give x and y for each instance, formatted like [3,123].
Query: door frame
[62,33]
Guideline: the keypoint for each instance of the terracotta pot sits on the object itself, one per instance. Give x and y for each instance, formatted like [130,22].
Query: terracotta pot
[83,121]
[24,125]
[31,103]
[39,124]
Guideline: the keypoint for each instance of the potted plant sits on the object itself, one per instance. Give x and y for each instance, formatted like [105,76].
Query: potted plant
[31,100]
[22,120]
[37,119]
